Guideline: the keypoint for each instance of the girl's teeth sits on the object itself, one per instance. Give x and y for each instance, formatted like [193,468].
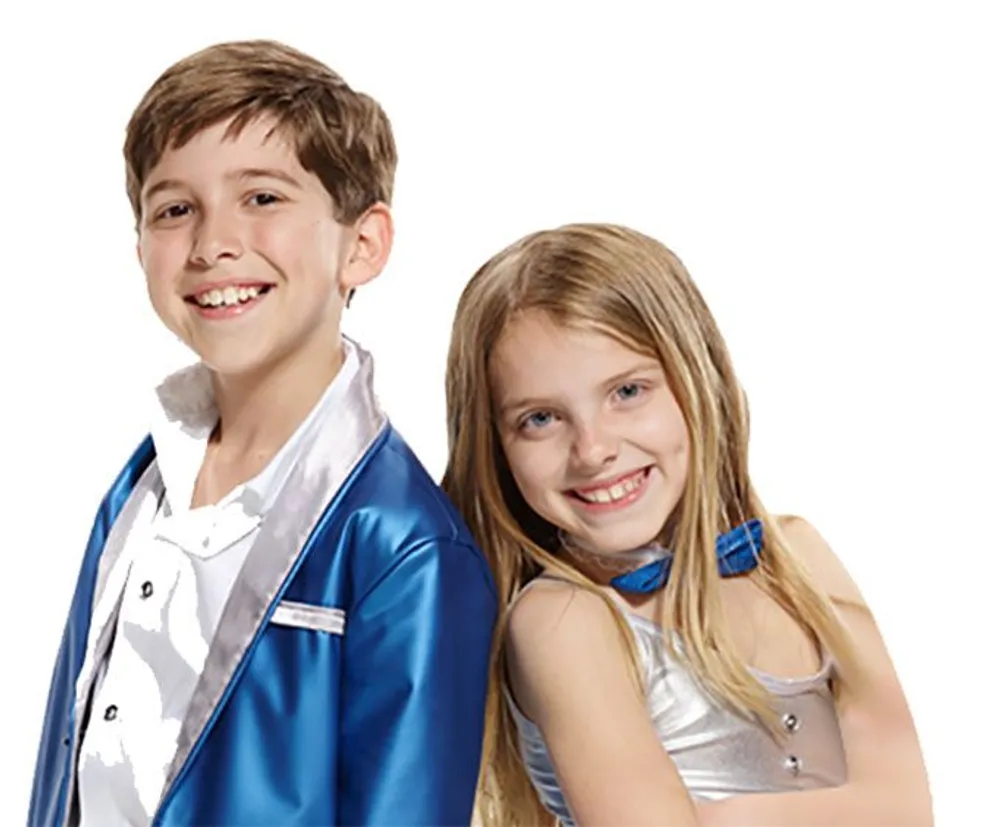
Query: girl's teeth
[616,492]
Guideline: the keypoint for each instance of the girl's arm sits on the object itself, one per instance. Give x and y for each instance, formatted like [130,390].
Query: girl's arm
[887,783]
[569,673]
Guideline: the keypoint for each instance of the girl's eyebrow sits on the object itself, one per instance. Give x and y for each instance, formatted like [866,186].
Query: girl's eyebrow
[517,404]
[540,402]
[644,367]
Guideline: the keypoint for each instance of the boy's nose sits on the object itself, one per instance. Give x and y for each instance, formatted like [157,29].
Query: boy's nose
[216,240]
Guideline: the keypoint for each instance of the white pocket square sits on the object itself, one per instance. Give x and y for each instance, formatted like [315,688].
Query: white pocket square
[307,616]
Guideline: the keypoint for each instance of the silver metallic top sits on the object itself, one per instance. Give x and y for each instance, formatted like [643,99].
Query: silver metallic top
[717,753]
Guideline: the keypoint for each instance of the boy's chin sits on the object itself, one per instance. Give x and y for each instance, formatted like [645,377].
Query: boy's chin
[225,363]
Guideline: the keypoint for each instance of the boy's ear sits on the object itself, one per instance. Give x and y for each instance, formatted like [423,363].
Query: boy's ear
[371,242]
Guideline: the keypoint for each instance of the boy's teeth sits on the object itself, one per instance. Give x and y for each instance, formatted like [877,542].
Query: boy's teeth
[228,296]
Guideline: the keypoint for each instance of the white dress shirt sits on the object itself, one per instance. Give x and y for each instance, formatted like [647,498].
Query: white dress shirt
[178,567]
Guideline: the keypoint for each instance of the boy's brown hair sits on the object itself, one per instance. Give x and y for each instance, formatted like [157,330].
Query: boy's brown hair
[340,135]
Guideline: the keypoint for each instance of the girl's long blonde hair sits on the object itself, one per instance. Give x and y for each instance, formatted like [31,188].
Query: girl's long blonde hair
[623,283]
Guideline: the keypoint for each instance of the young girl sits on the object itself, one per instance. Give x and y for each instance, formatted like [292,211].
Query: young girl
[669,644]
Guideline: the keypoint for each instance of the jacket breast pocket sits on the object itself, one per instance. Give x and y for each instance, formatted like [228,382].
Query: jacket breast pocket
[308,616]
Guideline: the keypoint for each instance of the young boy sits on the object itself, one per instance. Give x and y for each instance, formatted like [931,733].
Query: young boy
[279,620]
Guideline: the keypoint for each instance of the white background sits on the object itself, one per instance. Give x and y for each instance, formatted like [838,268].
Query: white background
[830,177]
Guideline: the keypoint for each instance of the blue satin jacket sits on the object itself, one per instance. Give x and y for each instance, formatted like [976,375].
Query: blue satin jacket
[347,681]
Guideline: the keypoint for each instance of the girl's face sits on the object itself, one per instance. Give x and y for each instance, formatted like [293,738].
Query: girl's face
[594,437]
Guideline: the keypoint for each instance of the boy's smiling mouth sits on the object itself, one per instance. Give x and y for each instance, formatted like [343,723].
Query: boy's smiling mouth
[224,300]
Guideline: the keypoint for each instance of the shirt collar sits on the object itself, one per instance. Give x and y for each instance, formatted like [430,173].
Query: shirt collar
[185,414]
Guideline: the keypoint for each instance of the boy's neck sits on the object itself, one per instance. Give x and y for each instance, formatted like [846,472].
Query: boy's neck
[259,412]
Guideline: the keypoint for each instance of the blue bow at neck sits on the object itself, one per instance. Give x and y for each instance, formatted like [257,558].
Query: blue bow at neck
[737,551]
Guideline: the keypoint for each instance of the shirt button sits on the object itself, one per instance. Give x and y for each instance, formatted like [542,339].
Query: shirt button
[147,589]
[793,765]
[790,722]
[111,713]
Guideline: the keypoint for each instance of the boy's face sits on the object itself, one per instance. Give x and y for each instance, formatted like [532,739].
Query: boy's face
[243,257]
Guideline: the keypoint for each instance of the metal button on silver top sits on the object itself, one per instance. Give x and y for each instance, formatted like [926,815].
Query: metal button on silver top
[793,765]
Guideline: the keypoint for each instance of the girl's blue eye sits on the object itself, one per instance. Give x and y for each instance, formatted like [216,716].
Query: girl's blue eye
[537,420]
[629,391]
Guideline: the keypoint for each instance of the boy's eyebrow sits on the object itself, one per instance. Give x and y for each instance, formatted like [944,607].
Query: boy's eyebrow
[265,172]
[159,186]
[239,174]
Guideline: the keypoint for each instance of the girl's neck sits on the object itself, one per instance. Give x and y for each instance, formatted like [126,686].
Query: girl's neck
[601,566]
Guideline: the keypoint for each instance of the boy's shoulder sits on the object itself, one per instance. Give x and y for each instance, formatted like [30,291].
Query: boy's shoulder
[396,491]
[393,510]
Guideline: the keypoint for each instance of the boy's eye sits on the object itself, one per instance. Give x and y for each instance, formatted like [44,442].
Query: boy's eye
[173,211]
[263,199]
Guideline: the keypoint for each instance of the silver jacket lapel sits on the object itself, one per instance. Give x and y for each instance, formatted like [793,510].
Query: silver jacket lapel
[330,452]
